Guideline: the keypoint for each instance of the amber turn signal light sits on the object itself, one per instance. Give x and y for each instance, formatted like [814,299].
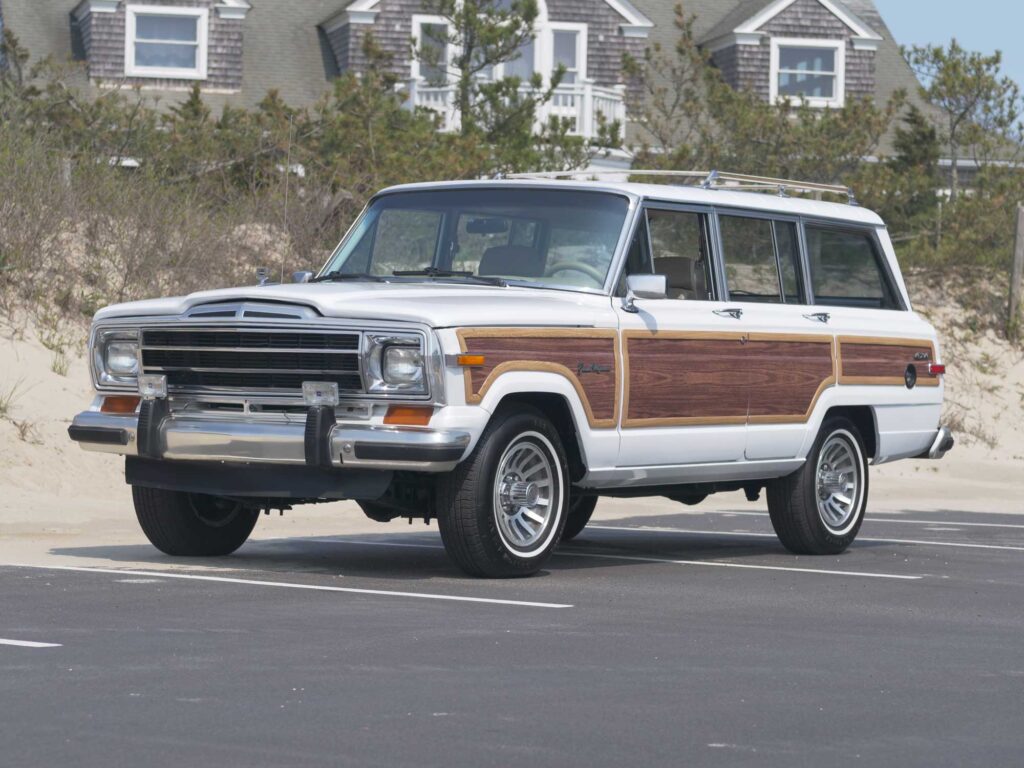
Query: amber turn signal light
[119,404]
[470,361]
[408,415]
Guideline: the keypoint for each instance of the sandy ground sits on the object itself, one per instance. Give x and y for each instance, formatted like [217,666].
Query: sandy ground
[55,496]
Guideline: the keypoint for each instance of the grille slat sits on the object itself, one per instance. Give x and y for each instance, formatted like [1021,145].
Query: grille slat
[252,360]
[252,339]
[274,361]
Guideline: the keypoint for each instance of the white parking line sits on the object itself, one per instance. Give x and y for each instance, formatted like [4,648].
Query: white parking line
[638,558]
[290,585]
[751,566]
[924,542]
[29,644]
[870,519]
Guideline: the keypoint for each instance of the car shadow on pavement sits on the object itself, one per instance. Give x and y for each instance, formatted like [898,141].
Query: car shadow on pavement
[421,557]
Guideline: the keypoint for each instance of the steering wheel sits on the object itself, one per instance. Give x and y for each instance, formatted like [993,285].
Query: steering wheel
[576,266]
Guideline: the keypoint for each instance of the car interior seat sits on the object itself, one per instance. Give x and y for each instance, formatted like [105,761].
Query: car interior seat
[512,260]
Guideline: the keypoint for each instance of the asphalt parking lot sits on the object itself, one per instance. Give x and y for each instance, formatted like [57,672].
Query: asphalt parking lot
[689,639]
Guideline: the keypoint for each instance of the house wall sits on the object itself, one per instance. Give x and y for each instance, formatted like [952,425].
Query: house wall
[392,32]
[103,38]
[748,66]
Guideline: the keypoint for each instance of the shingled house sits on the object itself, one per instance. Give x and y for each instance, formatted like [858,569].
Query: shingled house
[822,51]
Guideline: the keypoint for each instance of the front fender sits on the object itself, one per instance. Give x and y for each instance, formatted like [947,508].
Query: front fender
[599,446]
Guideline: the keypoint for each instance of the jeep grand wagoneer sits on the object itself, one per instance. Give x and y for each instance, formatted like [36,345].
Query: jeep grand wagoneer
[499,354]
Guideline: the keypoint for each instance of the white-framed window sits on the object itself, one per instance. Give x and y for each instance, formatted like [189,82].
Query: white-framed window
[166,42]
[432,53]
[808,71]
[523,65]
[553,43]
[569,48]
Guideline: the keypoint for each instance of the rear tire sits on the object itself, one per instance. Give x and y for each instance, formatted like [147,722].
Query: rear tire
[502,510]
[581,508]
[818,509]
[192,524]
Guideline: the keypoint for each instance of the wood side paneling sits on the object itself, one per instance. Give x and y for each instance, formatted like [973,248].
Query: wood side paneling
[705,378]
[693,378]
[787,376]
[587,358]
[883,361]
[679,379]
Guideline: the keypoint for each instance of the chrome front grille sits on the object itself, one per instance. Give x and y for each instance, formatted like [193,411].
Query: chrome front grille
[256,360]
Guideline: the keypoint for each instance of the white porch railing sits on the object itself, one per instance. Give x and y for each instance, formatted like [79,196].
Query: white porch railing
[584,104]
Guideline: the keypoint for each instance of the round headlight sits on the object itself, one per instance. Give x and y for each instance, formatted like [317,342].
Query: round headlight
[403,365]
[122,358]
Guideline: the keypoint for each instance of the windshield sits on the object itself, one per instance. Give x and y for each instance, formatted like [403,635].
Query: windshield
[547,237]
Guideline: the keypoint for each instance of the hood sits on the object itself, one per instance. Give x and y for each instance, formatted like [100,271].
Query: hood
[439,305]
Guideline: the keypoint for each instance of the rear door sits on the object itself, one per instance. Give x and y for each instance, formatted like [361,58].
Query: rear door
[789,355]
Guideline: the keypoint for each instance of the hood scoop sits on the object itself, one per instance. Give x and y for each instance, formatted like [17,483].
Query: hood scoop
[251,310]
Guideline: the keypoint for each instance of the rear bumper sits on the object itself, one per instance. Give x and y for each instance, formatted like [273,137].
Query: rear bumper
[941,445]
[240,441]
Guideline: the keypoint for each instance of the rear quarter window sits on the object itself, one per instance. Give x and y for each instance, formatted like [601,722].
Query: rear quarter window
[847,269]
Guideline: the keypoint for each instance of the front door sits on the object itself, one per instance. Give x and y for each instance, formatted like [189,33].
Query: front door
[685,391]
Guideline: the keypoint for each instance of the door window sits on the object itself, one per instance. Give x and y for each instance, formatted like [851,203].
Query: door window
[762,259]
[846,269]
[679,250]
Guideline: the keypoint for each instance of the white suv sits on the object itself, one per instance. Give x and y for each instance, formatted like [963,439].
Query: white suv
[499,354]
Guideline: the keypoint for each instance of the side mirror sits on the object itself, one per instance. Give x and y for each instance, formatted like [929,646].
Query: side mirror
[644,287]
[301,277]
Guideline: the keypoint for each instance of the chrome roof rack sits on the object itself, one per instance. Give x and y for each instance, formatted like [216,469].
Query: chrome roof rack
[710,180]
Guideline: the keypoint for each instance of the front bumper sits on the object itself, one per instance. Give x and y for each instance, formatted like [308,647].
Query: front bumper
[176,437]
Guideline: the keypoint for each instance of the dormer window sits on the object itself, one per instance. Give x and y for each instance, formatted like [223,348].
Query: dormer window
[808,71]
[166,42]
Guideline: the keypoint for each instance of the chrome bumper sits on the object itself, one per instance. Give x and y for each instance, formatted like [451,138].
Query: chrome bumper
[942,444]
[362,446]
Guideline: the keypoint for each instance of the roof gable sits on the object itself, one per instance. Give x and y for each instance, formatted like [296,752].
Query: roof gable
[634,23]
[748,18]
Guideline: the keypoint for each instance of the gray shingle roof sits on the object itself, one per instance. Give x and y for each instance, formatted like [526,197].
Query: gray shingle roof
[740,13]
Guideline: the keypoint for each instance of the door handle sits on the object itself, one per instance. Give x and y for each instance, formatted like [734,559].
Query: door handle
[735,314]
[819,317]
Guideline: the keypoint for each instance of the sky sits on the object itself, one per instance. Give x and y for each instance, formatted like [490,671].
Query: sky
[978,25]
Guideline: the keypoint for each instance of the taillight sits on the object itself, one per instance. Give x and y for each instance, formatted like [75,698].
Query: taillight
[936,369]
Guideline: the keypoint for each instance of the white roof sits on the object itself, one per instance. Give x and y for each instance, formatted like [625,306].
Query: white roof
[721,198]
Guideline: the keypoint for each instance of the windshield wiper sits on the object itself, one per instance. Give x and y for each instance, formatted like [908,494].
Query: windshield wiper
[331,277]
[434,272]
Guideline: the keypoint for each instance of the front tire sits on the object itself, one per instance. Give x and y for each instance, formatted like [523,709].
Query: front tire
[581,508]
[501,511]
[192,524]
[818,509]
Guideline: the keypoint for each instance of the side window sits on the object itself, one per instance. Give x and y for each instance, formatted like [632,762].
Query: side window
[846,269]
[751,268]
[679,247]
